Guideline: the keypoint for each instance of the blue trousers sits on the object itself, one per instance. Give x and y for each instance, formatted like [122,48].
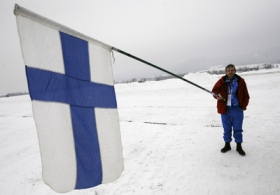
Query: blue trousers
[233,120]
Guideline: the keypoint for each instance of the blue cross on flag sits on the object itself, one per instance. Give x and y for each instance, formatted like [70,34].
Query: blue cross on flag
[70,81]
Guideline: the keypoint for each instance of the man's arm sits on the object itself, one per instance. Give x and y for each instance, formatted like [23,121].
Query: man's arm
[217,90]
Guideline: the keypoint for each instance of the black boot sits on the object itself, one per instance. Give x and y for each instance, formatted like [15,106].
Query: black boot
[240,150]
[226,148]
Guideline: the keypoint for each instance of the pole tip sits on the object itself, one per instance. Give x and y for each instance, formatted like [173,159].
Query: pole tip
[16,7]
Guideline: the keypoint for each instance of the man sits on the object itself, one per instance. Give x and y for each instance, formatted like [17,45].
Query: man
[232,100]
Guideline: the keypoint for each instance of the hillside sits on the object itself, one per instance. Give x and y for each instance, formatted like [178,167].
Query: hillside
[171,136]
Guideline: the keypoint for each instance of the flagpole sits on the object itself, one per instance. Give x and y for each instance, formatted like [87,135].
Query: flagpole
[166,71]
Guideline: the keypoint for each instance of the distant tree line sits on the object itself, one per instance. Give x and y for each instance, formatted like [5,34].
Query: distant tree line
[14,94]
[158,78]
[245,68]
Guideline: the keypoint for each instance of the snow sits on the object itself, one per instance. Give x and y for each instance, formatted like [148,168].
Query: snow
[171,135]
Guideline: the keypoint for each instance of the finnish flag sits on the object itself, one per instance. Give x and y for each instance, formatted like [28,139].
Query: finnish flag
[70,81]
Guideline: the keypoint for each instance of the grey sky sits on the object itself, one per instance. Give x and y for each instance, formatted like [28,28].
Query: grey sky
[180,36]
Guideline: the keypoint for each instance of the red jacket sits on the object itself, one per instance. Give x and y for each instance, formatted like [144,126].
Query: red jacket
[242,94]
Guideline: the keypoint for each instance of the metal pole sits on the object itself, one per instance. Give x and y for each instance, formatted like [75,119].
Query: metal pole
[150,64]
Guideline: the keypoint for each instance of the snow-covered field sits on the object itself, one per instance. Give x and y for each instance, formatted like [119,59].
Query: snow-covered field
[171,136]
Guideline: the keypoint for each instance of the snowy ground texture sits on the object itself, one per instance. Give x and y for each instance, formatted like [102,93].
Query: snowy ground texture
[171,136]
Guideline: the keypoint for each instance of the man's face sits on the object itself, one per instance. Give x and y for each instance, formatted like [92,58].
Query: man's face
[230,72]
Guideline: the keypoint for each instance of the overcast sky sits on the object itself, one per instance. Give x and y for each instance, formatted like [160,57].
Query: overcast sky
[178,35]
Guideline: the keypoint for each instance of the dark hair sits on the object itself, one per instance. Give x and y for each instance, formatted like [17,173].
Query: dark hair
[230,66]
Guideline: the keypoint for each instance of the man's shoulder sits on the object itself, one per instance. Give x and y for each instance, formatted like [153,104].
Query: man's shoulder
[239,78]
[241,81]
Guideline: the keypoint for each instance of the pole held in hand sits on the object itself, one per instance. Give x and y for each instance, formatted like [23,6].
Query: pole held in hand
[166,71]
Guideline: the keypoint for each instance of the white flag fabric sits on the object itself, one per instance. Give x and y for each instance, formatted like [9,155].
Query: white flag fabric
[70,81]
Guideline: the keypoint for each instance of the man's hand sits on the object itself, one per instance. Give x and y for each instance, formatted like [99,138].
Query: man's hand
[219,97]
